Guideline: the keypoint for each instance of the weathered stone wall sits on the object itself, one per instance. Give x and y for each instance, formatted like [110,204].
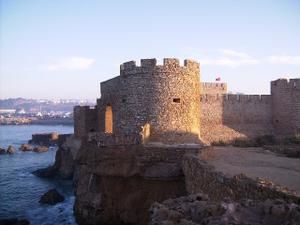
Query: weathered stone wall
[165,98]
[286,106]
[226,117]
[202,177]
[208,88]
[85,120]
[117,185]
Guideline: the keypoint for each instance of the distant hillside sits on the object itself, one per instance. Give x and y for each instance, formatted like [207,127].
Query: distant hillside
[34,105]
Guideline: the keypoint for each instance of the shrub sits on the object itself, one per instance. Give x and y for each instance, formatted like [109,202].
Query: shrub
[265,140]
[219,143]
[244,142]
[292,140]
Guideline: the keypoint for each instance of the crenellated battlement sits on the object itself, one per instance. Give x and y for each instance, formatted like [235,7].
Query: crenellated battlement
[235,98]
[213,85]
[147,65]
[213,88]
[286,83]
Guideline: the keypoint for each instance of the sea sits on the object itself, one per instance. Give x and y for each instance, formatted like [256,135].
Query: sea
[20,190]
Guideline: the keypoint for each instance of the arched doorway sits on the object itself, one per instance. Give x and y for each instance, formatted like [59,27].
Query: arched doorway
[108,119]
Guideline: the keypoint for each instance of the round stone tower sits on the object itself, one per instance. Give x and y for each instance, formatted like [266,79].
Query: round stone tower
[161,103]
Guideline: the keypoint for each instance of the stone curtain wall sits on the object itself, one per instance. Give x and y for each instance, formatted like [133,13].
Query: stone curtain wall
[164,97]
[227,117]
[286,106]
[85,120]
[213,88]
[110,96]
[201,177]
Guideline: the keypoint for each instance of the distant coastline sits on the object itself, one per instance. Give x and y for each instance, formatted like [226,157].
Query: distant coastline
[35,121]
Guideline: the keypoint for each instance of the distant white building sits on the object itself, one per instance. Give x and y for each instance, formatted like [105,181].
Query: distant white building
[7,111]
[39,114]
[20,111]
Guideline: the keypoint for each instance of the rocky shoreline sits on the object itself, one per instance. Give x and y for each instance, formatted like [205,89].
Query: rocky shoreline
[165,185]
[199,209]
[64,165]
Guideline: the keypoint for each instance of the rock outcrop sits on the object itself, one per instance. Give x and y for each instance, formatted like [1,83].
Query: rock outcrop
[64,160]
[117,185]
[40,149]
[26,148]
[199,209]
[10,150]
[2,151]
[51,197]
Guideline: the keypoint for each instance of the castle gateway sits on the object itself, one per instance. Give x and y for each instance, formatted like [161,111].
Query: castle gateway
[168,104]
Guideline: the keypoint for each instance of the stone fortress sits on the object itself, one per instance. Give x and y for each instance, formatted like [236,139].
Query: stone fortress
[168,104]
[143,144]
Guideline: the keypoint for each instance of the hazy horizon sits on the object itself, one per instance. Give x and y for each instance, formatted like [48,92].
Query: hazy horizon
[64,49]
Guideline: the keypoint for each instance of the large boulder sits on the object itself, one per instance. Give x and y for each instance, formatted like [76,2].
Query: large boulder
[48,172]
[51,197]
[10,150]
[26,148]
[2,151]
[40,149]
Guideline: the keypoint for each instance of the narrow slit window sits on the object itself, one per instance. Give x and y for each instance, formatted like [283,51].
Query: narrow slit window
[176,100]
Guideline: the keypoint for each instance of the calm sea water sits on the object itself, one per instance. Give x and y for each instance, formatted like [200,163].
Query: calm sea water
[20,190]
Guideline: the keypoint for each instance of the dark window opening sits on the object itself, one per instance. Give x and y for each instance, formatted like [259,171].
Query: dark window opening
[92,130]
[123,100]
[277,121]
[176,100]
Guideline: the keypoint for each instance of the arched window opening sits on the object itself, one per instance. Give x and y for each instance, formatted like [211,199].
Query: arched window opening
[108,119]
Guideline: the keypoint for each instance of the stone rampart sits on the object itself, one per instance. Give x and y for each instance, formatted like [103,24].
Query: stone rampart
[227,117]
[213,88]
[202,177]
[85,120]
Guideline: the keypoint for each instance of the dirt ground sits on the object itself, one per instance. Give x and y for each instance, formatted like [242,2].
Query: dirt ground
[256,162]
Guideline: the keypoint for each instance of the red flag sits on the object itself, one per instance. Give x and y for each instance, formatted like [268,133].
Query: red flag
[218,79]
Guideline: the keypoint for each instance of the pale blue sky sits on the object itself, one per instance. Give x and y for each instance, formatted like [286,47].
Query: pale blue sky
[64,48]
